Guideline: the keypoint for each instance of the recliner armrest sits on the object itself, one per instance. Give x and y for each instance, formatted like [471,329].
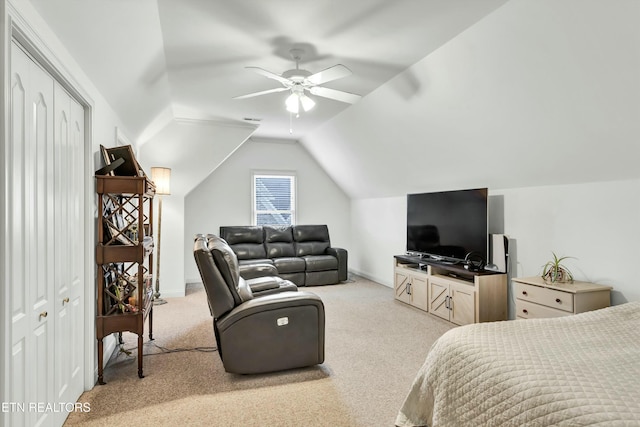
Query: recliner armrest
[342,256]
[251,271]
[260,284]
[272,332]
[282,300]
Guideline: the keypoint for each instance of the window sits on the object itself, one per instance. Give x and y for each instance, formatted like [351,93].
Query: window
[274,197]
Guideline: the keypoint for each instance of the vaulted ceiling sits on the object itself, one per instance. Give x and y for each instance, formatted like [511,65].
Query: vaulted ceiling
[456,93]
[155,60]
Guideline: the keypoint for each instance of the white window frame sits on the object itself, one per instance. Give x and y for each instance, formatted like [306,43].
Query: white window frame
[274,174]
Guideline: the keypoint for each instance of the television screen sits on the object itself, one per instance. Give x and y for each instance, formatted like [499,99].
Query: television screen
[448,224]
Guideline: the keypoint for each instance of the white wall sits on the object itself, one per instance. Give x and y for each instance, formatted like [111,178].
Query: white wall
[224,198]
[378,232]
[597,223]
[192,149]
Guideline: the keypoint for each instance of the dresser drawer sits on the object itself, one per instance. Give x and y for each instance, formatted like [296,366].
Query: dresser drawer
[544,296]
[530,310]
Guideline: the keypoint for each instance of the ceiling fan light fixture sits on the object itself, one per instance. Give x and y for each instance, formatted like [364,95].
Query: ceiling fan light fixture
[293,106]
[307,103]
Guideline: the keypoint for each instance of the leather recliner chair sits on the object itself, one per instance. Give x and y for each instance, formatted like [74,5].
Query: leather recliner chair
[268,333]
[262,279]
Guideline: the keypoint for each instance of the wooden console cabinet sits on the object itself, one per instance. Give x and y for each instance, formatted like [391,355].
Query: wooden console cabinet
[450,291]
[536,298]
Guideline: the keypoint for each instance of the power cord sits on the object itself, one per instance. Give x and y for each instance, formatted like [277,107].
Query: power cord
[164,350]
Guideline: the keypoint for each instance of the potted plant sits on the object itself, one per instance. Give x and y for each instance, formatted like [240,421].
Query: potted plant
[554,272]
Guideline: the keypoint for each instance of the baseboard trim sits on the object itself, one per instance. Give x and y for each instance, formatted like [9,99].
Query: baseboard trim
[371,277]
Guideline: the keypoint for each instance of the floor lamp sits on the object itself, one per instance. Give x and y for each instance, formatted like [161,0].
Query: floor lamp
[161,177]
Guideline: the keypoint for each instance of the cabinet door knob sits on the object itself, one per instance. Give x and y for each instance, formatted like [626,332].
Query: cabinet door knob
[558,300]
[525,311]
[524,293]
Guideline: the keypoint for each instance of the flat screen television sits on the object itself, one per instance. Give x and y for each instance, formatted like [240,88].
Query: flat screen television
[448,225]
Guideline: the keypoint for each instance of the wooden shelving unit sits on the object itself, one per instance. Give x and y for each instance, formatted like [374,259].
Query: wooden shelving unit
[124,256]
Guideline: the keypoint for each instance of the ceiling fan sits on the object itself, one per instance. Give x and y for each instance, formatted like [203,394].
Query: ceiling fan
[299,81]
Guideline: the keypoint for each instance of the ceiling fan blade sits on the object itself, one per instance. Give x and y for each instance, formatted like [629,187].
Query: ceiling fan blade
[270,75]
[264,92]
[332,73]
[338,95]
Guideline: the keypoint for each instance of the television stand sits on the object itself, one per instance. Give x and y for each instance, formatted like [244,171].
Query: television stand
[450,291]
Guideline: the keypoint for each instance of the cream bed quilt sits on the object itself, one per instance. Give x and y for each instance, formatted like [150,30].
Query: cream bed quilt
[570,371]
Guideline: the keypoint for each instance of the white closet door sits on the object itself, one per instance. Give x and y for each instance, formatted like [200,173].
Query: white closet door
[45,165]
[32,231]
[15,274]
[67,247]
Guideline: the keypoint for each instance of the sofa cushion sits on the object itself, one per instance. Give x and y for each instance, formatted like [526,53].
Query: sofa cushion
[277,234]
[242,234]
[320,262]
[305,233]
[278,242]
[246,241]
[311,239]
[289,264]
[311,248]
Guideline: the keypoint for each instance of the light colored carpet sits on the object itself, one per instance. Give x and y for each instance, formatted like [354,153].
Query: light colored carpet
[374,347]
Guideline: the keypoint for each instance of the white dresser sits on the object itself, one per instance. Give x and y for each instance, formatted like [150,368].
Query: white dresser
[536,298]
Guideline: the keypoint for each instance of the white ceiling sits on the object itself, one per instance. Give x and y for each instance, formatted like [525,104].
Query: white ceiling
[154,60]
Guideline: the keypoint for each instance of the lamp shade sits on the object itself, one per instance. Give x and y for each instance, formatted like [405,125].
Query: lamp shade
[161,177]
[307,103]
[292,103]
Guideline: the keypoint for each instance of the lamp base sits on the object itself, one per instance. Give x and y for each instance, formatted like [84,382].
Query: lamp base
[159,301]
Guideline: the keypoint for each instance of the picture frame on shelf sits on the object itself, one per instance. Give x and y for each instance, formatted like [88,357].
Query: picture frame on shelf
[130,167]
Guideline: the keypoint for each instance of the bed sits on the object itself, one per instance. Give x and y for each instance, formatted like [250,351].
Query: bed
[569,371]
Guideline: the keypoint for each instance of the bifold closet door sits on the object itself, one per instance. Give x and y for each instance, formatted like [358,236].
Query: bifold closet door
[68,245]
[45,263]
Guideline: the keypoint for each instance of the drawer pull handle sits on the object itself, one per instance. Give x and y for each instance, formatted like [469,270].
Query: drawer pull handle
[558,300]
[525,311]
[524,293]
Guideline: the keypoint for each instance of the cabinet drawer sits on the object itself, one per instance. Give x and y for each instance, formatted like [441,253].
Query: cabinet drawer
[549,297]
[530,310]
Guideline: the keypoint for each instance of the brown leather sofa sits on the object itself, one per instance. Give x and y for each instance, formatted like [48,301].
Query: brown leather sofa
[257,334]
[300,253]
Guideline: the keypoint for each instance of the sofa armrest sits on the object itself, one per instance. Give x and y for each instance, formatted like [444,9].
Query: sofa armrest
[251,271]
[342,256]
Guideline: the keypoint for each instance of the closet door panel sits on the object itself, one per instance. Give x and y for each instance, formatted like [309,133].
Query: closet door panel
[68,159]
[14,274]
[76,292]
[30,274]
[40,267]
